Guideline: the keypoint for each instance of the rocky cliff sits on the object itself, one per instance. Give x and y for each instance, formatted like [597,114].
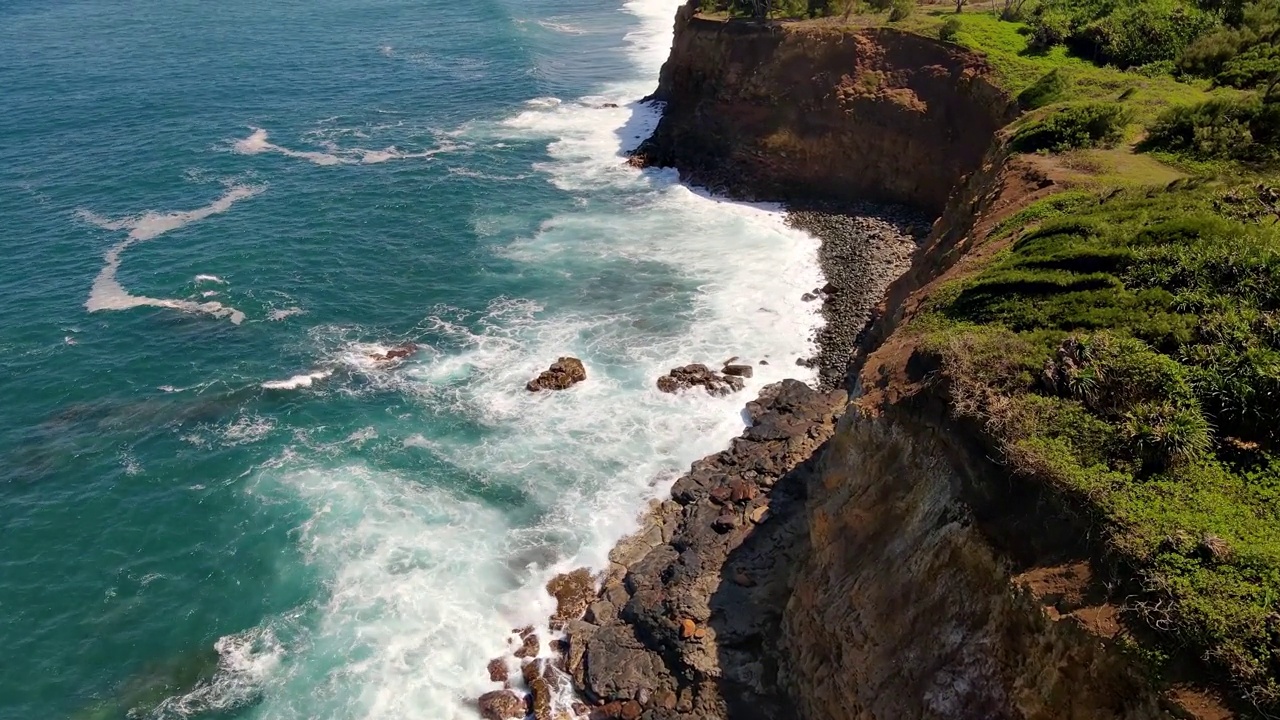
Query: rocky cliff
[855,554]
[812,113]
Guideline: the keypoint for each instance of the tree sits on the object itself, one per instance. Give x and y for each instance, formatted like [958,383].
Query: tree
[960,5]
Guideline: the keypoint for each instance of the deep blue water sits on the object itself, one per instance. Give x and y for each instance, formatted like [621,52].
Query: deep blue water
[208,206]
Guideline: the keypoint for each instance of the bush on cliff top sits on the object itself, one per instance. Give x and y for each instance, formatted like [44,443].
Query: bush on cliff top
[1126,350]
[1245,129]
[1079,125]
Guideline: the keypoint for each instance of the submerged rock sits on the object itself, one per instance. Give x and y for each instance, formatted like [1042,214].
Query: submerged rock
[398,352]
[562,374]
[745,371]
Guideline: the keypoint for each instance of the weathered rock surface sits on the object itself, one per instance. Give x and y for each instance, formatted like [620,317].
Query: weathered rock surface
[670,641]
[573,592]
[501,705]
[563,373]
[699,375]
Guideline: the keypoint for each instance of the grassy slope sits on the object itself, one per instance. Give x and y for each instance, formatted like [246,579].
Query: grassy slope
[1125,349]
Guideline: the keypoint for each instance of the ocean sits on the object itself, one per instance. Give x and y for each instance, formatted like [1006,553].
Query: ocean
[215,501]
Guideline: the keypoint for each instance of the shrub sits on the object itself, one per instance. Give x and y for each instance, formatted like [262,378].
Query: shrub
[902,9]
[1081,125]
[950,29]
[1251,68]
[1128,34]
[1225,128]
[880,4]
[1044,91]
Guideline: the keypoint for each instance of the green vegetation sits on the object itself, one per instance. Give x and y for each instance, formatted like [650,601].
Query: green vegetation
[1127,34]
[1073,126]
[1126,350]
[901,10]
[949,30]
[1245,129]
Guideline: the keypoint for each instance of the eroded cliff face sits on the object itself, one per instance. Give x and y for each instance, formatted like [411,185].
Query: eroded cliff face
[855,555]
[901,609]
[804,113]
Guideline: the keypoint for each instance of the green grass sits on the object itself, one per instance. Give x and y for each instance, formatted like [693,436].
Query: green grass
[1125,350]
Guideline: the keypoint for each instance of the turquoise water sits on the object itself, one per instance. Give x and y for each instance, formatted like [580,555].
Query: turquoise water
[214,502]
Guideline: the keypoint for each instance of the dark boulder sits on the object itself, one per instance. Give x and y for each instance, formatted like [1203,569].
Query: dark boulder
[563,373]
[699,375]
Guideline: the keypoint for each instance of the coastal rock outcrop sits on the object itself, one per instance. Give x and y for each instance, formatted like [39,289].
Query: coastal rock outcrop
[674,631]
[806,113]
[699,375]
[563,373]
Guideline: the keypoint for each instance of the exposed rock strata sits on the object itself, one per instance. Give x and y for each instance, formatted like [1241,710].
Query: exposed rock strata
[818,113]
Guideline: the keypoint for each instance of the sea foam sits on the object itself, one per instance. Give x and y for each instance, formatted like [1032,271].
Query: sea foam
[426,574]
[258,142]
[108,294]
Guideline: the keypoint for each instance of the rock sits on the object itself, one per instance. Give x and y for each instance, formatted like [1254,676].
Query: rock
[500,705]
[498,671]
[573,592]
[688,376]
[642,696]
[547,682]
[759,515]
[563,373]
[700,633]
[665,699]
[745,371]
[529,643]
[610,105]
[720,494]
[764,362]
[687,628]
[398,352]
[743,579]
[742,491]
[618,664]
[630,710]
[725,522]
[600,612]
[829,289]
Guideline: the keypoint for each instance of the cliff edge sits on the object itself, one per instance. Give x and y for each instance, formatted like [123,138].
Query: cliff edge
[860,552]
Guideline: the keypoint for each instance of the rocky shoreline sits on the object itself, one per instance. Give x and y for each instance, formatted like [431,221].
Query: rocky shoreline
[865,247]
[684,621]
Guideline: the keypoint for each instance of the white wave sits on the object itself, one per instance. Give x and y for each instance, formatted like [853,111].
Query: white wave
[425,578]
[469,173]
[210,278]
[108,294]
[561,27]
[258,142]
[245,429]
[245,660]
[297,381]
[282,313]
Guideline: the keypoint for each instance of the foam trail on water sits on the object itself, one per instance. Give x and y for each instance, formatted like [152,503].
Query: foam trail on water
[108,294]
[297,381]
[257,143]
